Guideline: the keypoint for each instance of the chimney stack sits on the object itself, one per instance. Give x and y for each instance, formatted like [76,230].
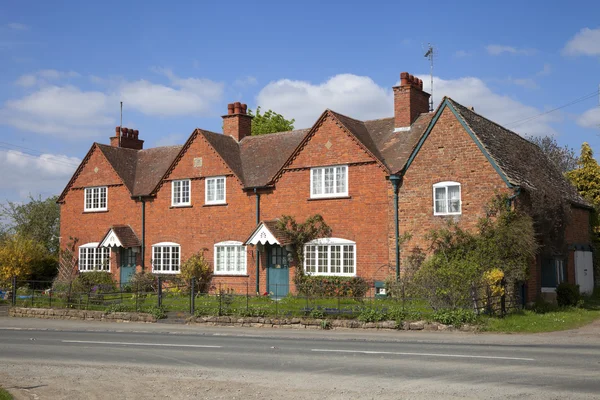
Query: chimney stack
[410,101]
[237,123]
[127,138]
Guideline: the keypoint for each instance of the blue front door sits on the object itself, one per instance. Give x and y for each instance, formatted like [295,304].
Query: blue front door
[127,264]
[278,272]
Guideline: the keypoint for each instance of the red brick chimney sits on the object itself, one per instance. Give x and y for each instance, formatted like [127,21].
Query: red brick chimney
[237,123]
[127,138]
[410,101]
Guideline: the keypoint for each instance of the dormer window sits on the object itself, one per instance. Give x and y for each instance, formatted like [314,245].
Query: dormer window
[446,198]
[96,199]
[329,182]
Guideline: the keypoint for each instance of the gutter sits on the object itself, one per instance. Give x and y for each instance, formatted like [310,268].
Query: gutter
[396,179]
[143,232]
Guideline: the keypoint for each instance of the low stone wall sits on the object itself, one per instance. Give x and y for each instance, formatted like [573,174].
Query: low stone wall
[83,315]
[307,323]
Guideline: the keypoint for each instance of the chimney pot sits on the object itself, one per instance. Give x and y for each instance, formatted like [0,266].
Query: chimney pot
[118,131]
[244,108]
[230,108]
[237,107]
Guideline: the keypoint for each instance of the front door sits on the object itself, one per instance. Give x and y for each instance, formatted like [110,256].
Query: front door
[584,271]
[278,272]
[127,264]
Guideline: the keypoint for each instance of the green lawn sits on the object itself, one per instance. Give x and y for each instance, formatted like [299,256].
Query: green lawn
[557,320]
[4,395]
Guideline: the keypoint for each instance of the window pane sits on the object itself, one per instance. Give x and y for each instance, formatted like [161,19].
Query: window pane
[176,192]
[329,180]
[336,259]
[220,189]
[210,190]
[317,181]
[175,258]
[185,191]
[549,273]
[440,200]
[340,179]
[322,258]
[103,197]
[242,259]
[311,261]
[454,199]
[348,259]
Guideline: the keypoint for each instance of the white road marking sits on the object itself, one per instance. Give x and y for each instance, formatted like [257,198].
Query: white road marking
[142,344]
[422,354]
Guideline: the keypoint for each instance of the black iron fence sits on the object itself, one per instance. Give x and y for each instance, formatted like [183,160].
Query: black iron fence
[240,299]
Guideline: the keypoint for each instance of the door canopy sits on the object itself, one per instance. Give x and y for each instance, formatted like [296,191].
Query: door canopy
[267,233]
[120,236]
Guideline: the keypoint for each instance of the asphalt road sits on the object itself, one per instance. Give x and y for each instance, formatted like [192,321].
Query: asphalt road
[290,364]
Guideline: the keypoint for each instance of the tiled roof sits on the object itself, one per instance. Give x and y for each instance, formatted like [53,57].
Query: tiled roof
[256,160]
[522,162]
[125,234]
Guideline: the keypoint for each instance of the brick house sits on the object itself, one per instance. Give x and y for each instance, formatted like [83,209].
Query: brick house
[135,209]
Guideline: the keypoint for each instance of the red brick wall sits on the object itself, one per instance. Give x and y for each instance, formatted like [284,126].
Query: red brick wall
[448,154]
[90,227]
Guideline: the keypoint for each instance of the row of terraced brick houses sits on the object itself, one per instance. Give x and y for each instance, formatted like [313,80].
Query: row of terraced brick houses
[132,208]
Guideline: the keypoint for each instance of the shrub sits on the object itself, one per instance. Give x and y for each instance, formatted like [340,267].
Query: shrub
[330,286]
[197,267]
[253,312]
[372,315]
[94,281]
[144,282]
[120,307]
[157,312]
[567,294]
[457,317]
[541,306]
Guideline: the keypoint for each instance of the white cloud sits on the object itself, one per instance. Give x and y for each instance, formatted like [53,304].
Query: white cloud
[496,50]
[185,96]
[545,71]
[361,98]
[42,77]
[585,42]
[56,108]
[43,175]
[527,83]
[470,91]
[18,27]
[462,53]
[355,96]
[59,110]
[590,118]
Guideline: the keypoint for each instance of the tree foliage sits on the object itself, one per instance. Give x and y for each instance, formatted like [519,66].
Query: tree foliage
[505,241]
[270,122]
[18,253]
[37,219]
[564,157]
[586,177]
[301,233]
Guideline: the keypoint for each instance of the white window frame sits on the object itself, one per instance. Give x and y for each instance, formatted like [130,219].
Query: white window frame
[446,185]
[86,263]
[177,202]
[329,242]
[324,195]
[163,246]
[90,190]
[215,179]
[239,253]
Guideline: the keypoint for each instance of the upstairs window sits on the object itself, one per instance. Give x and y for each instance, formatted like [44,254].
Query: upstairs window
[180,193]
[95,199]
[230,258]
[166,258]
[329,181]
[330,256]
[446,198]
[94,258]
[215,190]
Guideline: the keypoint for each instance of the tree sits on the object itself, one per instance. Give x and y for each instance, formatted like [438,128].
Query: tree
[270,122]
[301,233]
[18,254]
[563,157]
[586,177]
[197,267]
[37,219]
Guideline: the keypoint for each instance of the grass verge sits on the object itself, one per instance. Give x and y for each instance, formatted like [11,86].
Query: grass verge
[557,319]
[4,395]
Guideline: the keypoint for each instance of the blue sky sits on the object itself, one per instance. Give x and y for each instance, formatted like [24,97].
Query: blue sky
[175,65]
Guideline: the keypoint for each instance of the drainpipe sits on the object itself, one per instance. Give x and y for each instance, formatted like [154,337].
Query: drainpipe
[257,252]
[395,179]
[514,196]
[143,232]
